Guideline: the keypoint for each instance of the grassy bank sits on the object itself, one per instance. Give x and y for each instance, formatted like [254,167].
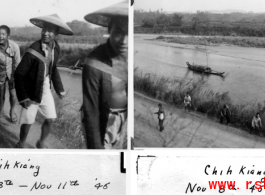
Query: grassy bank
[257,42]
[204,101]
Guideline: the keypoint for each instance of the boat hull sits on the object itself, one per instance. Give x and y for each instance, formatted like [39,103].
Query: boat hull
[203,69]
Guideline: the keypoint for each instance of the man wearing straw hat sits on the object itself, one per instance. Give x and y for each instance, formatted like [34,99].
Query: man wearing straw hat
[105,77]
[34,75]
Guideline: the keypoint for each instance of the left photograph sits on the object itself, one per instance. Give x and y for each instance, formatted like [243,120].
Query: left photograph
[64,74]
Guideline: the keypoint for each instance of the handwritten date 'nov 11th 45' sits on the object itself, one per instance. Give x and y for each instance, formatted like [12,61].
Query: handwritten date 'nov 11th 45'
[46,186]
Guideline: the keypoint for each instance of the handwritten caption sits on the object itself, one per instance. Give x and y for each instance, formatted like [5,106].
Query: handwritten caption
[37,185]
[222,186]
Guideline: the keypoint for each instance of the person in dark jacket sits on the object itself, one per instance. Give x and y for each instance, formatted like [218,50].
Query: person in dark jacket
[34,75]
[105,75]
[225,114]
[161,117]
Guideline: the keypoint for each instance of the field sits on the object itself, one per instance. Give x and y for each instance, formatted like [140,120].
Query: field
[70,53]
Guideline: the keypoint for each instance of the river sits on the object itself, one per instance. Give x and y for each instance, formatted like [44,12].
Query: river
[244,67]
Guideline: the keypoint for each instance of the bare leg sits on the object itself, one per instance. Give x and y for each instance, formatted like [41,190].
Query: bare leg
[45,131]
[12,99]
[24,130]
[259,130]
[2,98]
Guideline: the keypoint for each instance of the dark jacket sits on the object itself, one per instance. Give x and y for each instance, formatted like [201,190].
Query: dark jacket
[29,75]
[97,95]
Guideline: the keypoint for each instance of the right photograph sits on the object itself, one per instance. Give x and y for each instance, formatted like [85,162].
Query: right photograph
[199,72]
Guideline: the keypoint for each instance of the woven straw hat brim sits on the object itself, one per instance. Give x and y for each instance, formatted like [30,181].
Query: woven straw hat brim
[64,29]
[103,16]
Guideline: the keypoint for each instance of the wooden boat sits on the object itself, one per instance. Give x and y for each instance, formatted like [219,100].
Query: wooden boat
[203,69]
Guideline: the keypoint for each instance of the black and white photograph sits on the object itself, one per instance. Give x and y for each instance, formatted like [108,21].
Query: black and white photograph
[64,74]
[199,73]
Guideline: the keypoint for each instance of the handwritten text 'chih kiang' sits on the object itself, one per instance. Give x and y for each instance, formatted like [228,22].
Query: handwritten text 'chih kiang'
[20,165]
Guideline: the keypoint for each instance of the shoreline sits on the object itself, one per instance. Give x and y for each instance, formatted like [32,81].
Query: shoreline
[195,113]
[214,41]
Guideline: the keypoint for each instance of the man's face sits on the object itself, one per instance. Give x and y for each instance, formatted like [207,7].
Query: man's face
[48,33]
[119,36]
[3,36]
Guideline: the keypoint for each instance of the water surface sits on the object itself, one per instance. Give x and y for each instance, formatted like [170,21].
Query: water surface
[244,67]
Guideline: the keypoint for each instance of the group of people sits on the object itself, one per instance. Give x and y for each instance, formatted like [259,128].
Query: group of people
[104,79]
[256,123]
[225,114]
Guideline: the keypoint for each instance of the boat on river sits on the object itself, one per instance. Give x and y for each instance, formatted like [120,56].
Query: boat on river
[203,69]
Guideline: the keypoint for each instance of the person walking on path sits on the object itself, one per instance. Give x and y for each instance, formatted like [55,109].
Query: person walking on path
[161,117]
[225,114]
[34,75]
[256,123]
[187,102]
[9,60]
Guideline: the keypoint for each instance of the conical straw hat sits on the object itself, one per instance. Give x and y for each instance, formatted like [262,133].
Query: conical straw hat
[54,19]
[102,17]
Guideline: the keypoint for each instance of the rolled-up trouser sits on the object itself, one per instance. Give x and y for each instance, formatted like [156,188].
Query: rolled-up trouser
[3,90]
[116,132]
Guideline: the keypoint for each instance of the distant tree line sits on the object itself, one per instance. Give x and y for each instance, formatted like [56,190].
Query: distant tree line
[83,31]
[200,23]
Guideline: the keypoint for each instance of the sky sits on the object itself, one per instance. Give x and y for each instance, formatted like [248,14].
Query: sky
[15,13]
[202,5]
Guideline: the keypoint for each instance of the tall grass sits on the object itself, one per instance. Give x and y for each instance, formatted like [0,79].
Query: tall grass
[204,101]
[258,42]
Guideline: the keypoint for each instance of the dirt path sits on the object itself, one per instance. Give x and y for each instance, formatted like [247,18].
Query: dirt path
[185,129]
[9,132]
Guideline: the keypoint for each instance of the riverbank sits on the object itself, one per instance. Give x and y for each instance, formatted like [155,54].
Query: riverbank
[184,129]
[204,101]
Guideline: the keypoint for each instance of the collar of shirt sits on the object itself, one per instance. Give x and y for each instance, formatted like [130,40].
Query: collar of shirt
[9,50]
[45,47]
